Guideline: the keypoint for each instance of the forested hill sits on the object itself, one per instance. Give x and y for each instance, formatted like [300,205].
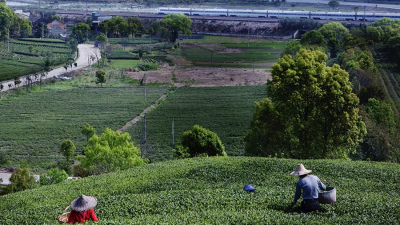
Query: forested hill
[210,191]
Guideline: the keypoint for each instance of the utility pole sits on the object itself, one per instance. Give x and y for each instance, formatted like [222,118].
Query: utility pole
[173,138]
[145,138]
[248,36]
[364,13]
[8,41]
[42,30]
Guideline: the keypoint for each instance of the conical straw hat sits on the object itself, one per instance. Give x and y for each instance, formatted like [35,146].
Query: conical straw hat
[83,203]
[300,170]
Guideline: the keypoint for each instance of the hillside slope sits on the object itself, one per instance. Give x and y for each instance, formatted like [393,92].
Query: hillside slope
[210,191]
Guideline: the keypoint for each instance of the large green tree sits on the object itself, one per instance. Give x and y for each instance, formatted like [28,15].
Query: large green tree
[176,23]
[102,39]
[6,20]
[334,4]
[316,107]
[80,32]
[110,152]
[334,33]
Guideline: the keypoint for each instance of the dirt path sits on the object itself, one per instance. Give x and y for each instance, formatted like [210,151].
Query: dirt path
[141,115]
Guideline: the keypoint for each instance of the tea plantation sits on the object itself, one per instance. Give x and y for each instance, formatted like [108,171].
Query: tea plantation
[34,125]
[25,56]
[210,191]
[228,118]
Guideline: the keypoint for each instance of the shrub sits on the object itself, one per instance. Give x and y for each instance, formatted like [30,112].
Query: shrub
[199,141]
[147,66]
[110,152]
[80,171]
[53,176]
[21,180]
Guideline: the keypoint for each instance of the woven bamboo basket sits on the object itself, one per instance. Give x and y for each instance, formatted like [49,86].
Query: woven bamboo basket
[63,218]
[328,196]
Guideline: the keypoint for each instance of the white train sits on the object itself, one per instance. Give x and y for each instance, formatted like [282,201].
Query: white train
[280,14]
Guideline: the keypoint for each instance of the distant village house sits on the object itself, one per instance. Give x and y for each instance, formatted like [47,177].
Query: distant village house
[57,28]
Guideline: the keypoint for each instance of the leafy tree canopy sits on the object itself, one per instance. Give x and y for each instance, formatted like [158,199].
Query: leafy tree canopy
[334,4]
[102,39]
[110,152]
[88,131]
[6,20]
[177,23]
[313,37]
[68,149]
[199,141]
[292,48]
[334,30]
[21,180]
[315,109]
[80,31]
[53,176]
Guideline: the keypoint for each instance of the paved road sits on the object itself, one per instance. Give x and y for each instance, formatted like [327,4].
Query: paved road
[6,178]
[84,60]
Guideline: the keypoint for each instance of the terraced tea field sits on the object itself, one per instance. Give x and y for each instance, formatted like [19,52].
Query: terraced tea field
[226,111]
[210,191]
[18,59]
[34,125]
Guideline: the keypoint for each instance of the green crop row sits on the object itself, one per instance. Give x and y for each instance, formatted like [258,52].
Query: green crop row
[210,191]
[34,125]
[227,111]
[46,40]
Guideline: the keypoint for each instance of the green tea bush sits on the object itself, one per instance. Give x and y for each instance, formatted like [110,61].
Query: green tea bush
[199,141]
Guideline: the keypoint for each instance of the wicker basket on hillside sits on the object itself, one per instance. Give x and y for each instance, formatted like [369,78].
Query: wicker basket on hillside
[328,196]
[63,218]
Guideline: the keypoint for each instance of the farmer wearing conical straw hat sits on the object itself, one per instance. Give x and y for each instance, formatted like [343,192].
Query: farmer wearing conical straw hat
[82,209]
[310,185]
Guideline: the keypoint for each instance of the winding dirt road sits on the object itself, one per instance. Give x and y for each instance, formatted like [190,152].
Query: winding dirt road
[88,55]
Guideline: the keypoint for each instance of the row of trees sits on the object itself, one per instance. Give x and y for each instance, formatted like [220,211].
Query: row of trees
[318,111]
[117,27]
[12,24]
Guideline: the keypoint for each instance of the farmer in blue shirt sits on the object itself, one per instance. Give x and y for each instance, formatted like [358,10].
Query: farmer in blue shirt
[310,185]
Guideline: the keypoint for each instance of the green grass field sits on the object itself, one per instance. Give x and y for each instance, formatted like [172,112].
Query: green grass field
[264,52]
[227,111]
[124,63]
[34,125]
[210,191]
